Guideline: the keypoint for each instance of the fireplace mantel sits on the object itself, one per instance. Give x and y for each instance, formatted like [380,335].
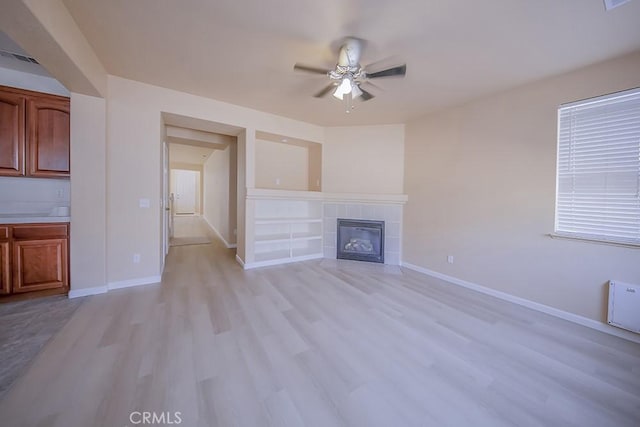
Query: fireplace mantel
[387,199]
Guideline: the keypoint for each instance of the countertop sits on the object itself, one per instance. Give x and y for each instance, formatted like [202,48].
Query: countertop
[26,218]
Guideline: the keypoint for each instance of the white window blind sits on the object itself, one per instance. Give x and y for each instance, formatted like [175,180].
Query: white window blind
[598,181]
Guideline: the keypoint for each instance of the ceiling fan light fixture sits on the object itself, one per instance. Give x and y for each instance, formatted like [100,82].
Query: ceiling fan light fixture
[347,76]
[355,91]
[345,87]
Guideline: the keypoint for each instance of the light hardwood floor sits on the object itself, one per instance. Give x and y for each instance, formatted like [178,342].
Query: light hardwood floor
[25,327]
[321,343]
[190,230]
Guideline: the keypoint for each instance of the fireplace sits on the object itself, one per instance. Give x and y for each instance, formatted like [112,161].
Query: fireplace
[360,240]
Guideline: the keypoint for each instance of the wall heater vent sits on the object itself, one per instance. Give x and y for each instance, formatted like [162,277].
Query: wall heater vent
[624,306]
[17,56]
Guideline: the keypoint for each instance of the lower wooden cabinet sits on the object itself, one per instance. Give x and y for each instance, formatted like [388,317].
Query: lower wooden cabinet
[34,260]
[40,265]
[5,269]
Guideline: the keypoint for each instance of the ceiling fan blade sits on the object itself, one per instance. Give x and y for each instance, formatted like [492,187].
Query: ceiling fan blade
[308,69]
[398,71]
[325,91]
[369,83]
[366,95]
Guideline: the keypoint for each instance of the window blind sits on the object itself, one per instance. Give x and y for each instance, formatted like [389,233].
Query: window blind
[598,179]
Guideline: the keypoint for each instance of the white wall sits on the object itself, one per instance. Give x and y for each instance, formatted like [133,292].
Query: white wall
[88,193]
[481,185]
[245,180]
[134,164]
[219,200]
[363,159]
[281,166]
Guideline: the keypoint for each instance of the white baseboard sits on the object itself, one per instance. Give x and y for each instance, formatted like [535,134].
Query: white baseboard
[239,261]
[272,262]
[78,293]
[581,320]
[226,244]
[134,282]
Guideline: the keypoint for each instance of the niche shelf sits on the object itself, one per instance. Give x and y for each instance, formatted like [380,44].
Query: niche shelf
[286,230]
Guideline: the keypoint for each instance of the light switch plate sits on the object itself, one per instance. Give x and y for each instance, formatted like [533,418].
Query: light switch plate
[145,203]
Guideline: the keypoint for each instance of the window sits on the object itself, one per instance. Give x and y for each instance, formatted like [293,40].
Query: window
[598,180]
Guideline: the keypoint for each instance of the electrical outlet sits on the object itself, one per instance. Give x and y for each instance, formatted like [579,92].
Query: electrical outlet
[450,259]
[60,193]
[136,258]
[277,181]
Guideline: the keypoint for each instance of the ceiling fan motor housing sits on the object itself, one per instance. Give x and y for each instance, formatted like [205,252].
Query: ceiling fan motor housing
[350,51]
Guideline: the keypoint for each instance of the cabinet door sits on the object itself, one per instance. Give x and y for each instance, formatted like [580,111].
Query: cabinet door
[12,140]
[48,137]
[5,269]
[40,264]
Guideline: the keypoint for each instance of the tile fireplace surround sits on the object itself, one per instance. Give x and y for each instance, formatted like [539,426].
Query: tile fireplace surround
[390,213]
[288,226]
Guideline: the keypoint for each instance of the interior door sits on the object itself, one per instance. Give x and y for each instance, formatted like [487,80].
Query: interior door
[185,183]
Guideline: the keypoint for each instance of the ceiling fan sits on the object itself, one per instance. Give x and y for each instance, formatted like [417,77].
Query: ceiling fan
[348,75]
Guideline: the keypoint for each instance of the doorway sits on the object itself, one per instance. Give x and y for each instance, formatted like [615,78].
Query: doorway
[185,190]
[204,152]
[188,226]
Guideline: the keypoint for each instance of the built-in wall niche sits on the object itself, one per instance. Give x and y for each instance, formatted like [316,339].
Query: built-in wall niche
[283,163]
[286,230]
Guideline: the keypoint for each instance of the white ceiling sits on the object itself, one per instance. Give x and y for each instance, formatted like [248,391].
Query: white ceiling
[180,153]
[191,145]
[243,52]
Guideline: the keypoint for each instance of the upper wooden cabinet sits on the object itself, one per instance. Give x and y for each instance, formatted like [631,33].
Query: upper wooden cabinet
[12,128]
[34,134]
[48,137]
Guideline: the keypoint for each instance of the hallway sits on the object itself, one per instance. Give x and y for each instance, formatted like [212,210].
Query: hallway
[190,230]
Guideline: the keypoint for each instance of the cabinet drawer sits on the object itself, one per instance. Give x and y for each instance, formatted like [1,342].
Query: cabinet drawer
[40,231]
[4,232]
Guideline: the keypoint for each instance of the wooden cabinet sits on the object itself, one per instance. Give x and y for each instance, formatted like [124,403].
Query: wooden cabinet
[48,137]
[40,265]
[5,269]
[34,134]
[5,262]
[12,131]
[34,259]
